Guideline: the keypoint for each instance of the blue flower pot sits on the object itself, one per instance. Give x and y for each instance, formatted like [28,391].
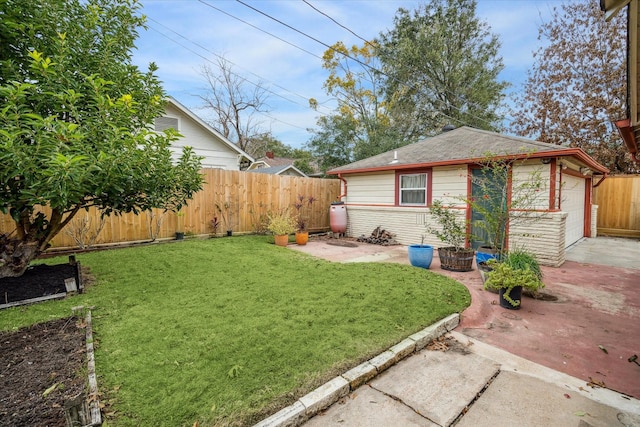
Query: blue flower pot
[420,255]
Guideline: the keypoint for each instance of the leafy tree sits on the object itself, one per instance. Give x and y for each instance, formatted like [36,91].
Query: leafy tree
[577,86]
[235,102]
[75,123]
[355,82]
[333,143]
[441,66]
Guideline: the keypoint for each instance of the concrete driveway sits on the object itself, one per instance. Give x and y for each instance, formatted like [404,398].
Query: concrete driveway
[588,329]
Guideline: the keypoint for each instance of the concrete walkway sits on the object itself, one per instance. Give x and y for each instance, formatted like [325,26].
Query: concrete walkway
[550,363]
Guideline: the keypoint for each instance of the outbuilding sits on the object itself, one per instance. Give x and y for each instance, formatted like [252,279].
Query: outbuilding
[395,189]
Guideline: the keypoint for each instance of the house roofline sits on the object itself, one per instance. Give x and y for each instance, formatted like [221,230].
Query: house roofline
[565,152]
[171,100]
[628,135]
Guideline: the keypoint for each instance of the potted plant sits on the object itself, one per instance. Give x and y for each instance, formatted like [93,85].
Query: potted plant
[455,257]
[303,208]
[499,203]
[179,225]
[518,271]
[226,212]
[281,224]
[420,255]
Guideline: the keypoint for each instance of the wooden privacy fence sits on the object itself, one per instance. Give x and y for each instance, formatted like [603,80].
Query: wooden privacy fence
[618,200]
[239,200]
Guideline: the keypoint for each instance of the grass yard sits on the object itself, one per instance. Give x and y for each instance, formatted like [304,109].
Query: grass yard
[226,331]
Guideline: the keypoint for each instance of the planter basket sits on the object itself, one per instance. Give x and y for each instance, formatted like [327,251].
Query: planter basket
[453,260]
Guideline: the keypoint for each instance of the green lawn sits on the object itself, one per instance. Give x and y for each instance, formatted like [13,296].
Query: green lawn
[225,331]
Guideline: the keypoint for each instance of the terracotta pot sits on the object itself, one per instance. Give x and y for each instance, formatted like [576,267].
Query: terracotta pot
[281,239]
[302,237]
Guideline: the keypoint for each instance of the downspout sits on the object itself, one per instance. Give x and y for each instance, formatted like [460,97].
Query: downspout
[604,176]
[344,181]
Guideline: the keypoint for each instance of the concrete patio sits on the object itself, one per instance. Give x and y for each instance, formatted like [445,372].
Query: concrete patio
[583,334]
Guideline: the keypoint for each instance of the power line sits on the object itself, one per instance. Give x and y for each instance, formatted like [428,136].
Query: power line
[208,60]
[375,70]
[231,62]
[337,23]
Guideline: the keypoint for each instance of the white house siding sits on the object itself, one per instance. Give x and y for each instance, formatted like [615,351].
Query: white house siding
[525,174]
[449,185]
[573,194]
[408,224]
[545,239]
[216,153]
[594,220]
[371,189]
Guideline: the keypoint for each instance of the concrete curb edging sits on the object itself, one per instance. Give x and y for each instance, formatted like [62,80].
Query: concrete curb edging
[329,393]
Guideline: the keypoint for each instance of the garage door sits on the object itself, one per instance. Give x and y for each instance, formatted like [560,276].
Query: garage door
[573,193]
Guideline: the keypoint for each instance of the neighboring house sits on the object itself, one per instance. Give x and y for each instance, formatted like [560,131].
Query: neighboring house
[279,170]
[276,165]
[372,188]
[217,151]
[629,128]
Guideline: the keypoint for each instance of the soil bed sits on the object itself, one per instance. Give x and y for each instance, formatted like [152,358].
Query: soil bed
[41,367]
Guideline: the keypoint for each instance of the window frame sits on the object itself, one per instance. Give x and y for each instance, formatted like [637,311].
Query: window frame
[166,116]
[399,174]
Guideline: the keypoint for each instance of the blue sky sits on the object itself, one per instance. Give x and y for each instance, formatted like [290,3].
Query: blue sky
[185,34]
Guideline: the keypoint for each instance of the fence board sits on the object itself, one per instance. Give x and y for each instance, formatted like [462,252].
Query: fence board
[250,196]
[618,200]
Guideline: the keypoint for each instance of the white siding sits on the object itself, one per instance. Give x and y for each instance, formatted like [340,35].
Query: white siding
[216,153]
[408,224]
[522,178]
[449,185]
[573,194]
[545,240]
[371,189]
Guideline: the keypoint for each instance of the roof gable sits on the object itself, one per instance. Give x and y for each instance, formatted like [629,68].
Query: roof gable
[217,135]
[460,146]
[280,170]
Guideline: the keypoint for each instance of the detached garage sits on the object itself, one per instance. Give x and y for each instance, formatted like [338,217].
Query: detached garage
[395,189]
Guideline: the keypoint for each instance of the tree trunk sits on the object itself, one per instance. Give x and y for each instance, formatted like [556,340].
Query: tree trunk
[16,254]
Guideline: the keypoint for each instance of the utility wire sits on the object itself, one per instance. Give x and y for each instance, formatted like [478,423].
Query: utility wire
[375,70]
[232,63]
[338,23]
[208,60]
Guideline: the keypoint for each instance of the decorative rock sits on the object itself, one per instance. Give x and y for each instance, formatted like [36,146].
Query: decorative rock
[324,396]
[385,360]
[292,415]
[360,374]
[404,348]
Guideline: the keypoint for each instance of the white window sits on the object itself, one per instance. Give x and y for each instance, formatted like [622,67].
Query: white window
[413,189]
[164,123]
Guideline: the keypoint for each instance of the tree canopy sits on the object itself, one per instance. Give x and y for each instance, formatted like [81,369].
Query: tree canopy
[76,122]
[441,66]
[577,86]
[438,65]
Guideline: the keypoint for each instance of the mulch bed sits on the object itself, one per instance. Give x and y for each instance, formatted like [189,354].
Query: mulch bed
[46,357]
[37,281]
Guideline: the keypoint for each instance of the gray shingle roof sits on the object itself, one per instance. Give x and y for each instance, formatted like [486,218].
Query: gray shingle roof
[462,144]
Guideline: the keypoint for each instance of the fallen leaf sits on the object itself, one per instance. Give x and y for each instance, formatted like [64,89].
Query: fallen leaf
[603,349]
[567,396]
[50,390]
[580,413]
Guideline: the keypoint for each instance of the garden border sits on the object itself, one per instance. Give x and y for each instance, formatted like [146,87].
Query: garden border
[329,393]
